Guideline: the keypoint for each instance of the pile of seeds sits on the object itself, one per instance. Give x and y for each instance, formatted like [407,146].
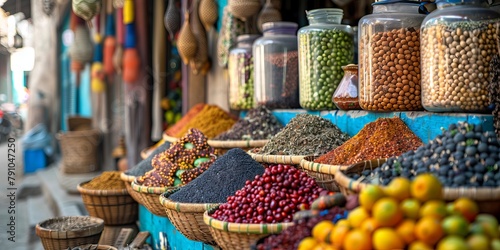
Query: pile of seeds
[305,134]
[145,165]
[69,223]
[258,124]
[224,177]
[383,138]
[108,180]
[211,121]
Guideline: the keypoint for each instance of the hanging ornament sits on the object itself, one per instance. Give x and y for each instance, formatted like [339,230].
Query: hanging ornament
[172,19]
[97,71]
[118,55]
[81,48]
[109,41]
[244,9]
[199,63]
[230,29]
[86,9]
[276,3]
[268,14]
[187,44]
[131,59]
[208,13]
[118,4]
[48,6]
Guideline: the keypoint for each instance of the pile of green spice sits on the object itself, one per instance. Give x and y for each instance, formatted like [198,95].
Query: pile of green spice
[145,165]
[258,124]
[305,134]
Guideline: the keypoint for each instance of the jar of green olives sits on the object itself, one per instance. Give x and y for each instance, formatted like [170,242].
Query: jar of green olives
[389,57]
[459,39]
[240,69]
[324,47]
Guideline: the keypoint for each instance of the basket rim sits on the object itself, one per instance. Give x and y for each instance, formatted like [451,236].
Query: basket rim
[148,190]
[78,133]
[169,138]
[104,247]
[276,159]
[127,178]
[101,192]
[94,229]
[184,206]
[250,228]
[308,164]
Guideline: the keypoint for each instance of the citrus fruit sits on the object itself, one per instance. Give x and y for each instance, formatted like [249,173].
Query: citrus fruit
[386,212]
[357,239]
[398,188]
[495,244]
[370,195]
[429,230]
[434,208]
[455,225]
[369,225]
[342,222]
[478,242]
[426,187]
[337,236]
[323,246]
[467,207]
[357,216]
[452,242]
[489,224]
[307,243]
[410,208]
[387,238]
[406,230]
[322,230]
[419,245]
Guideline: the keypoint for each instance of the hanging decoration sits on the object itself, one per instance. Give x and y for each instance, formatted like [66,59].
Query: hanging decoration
[243,9]
[131,59]
[276,3]
[199,63]
[48,6]
[118,55]
[268,14]
[230,29]
[208,13]
[81,49]
[187,44]
[172,19]
[86,9]
[97,72]
[109,41]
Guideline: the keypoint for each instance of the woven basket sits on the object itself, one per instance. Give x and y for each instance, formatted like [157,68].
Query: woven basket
[79,123]
[150,197]
[188,218]
[236,236]
[115,207]
[61,240]
[276,159]
[128,179]
[324,174]
[350,186]
[97,247]
[79,151]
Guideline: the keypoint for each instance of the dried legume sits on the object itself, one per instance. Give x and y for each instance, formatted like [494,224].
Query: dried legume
[108,180]
[495,92]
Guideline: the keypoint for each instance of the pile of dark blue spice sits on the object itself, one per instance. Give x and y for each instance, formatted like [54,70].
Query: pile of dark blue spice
[145,165]
[258,124]
[225,176]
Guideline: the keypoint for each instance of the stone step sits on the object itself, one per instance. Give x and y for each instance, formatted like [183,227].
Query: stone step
[38,210]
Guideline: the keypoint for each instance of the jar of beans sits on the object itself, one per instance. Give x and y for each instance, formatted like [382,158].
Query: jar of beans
[459,39]
[240,68]
[324,47]
[495,5]
[276,66]
[389,57]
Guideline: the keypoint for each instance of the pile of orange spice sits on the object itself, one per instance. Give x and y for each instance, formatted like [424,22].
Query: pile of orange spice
[108,180]
[172,131]
[383,138]
[211,121]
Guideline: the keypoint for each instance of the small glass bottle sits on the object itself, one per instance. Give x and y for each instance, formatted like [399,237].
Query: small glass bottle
[324,47]
[276,66]
[346,94]
[240,68]
[459,39]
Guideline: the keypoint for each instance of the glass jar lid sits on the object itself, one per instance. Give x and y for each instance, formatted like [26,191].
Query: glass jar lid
[395,1]
[350,67]
[246,38]
[280,28]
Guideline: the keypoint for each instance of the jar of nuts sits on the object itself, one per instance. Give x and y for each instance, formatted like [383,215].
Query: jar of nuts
[240,69]
[324,47]
[389,57]
[459,40]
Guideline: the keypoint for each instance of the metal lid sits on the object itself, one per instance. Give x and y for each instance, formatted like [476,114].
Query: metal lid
[350,67]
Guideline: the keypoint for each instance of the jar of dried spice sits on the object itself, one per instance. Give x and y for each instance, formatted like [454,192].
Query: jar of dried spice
[276,66]
[389,57]
[240,68]
[345,96]
[459,39]
[324,47]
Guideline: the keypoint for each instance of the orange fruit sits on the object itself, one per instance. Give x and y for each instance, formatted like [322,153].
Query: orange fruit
[478,242]
[322,230]
[429,230]
[398,188]
[307,243]
[426,187]
[369,225]
[410,208]
[488,224]
[370,195]
[467,207]
[406,230]
[434,208]
[419,245]
[455,225]
[342,222]
[323,246]
[337,236]
[357,239]
[386,212]
[386,238]
[452,242]
[357,216]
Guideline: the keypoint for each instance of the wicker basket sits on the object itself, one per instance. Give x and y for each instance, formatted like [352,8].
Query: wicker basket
[128,179]
[188,218]
[79,151]
[78,123]
[97,247]
[350,186]
[61,240]
[169,138]
[150,197]
[236,236]
[115,207]
[275,159]
[324,174]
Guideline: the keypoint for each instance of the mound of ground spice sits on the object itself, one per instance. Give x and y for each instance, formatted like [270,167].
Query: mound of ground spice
[305,134]
[383,138]
[258,124]
[108,180]
[211,121]
[172,131]
[145,165]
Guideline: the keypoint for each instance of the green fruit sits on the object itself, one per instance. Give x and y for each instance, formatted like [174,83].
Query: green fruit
[188,145]
[455,225]
[199,161]
[169,116]
[478,242]
[495,244]
[489,224]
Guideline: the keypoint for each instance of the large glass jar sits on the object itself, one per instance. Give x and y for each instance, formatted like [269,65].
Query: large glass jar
[276,66]
[240,68]
[459,39]
[389,57]
[324,47]
[495,5]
